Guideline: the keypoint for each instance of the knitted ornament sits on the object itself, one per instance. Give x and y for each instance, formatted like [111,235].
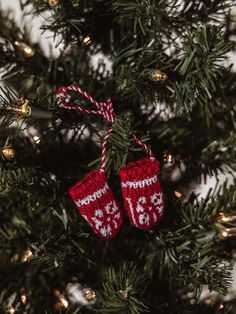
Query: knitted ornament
[142,192]
[92,195]
[96,203]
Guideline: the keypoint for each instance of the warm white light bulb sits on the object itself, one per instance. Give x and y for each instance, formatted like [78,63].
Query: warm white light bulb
[23,298]
[36,139]
[178,194]
[64,302]
[224,234]
[27,256]
[11,310]
[87,40]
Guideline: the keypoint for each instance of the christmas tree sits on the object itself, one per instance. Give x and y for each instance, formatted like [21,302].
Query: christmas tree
[104,149]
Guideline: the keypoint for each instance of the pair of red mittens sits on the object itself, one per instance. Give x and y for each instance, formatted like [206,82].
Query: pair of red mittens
[141,192]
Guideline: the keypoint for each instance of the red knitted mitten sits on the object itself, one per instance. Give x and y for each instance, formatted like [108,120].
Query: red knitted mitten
[142,192]
[96,203]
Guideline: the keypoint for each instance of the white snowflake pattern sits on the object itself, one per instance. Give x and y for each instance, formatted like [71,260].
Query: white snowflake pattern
[144,219]
[98,213]
[117,216]
[106,231]
[111,208]
[156,198]
[141,201]
[98,223]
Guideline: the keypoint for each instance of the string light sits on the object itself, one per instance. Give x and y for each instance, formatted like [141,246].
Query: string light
[11,310]
[208,301]
[213,301]
[27,51]
[156,75]
[89,294]
[27,255]
[62,302]
[21,112]
[168,158]
[36,139]
[23,298]
[25,109]
[8,151]
[227,226]
[224,218]
[178,194]
[224,233]
[53,3]
[227,233]
[87,40]
[15,258]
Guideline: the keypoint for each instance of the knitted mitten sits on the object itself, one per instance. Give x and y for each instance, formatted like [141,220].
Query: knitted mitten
[142,192]
[96,203]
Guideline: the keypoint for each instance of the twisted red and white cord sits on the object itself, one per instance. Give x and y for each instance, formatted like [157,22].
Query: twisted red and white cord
[104,110]
[145,146]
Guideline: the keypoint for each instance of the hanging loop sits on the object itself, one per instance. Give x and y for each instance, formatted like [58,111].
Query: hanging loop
[104,109]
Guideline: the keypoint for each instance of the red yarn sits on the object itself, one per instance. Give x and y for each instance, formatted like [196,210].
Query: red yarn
[96,203]
[142,192]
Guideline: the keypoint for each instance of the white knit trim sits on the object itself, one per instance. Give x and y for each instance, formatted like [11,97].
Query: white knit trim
[93,197]
[139,184]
